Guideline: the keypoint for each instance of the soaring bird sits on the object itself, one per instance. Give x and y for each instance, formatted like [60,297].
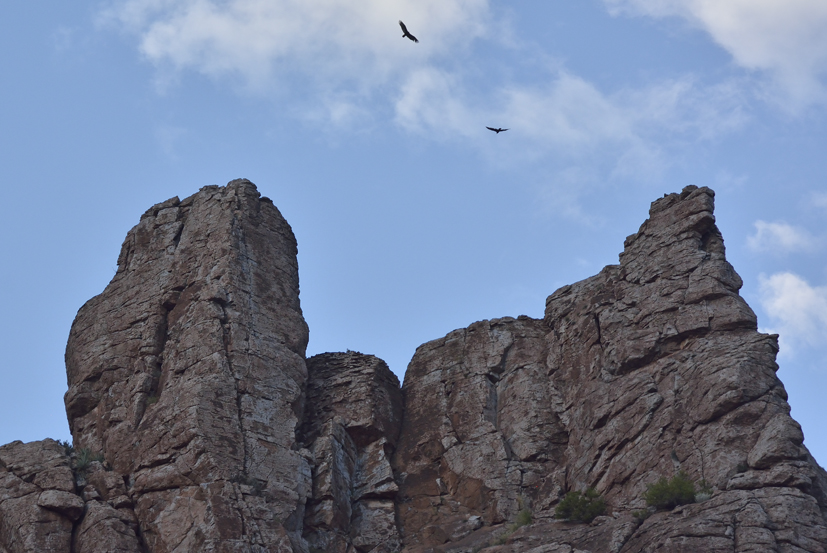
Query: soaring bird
[406,33]
[498,131]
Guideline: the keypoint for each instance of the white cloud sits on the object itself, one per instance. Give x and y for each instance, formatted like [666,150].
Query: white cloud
[435,102]
[585,139]
[787,39]
[344,62]
[798,310]
[329,41]
[571,120]
[780,237]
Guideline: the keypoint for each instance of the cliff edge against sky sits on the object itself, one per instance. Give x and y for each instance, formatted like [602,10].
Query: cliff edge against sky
[205,428]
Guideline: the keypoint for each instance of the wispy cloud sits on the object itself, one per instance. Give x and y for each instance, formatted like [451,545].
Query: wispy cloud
[569,119]
[585,138]
[329,41]
[434,101]
[785,40]
[340,62]
[798,310]
[780,238]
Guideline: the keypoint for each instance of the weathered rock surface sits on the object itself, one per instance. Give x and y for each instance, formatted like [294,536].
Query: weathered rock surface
[352,421]
[188,374]
[651,366]
[37,500]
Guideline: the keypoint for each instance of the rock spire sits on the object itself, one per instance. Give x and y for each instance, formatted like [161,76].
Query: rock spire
[200,425]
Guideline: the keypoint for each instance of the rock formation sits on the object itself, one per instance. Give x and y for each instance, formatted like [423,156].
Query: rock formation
[353,415]
[652,366]
[199,425]
[187,373]
[38,503]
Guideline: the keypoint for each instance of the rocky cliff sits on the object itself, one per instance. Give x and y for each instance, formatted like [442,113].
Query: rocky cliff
[199,424]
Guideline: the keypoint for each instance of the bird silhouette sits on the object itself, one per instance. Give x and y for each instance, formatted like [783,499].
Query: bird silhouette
[406,33]
[498,131]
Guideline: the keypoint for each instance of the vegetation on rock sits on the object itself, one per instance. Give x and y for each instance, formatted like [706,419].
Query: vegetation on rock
[581,507]
[84,457]
[523,518]
[679,490]
[68,447]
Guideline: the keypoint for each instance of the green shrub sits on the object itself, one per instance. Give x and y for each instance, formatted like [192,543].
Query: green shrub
[668,494]
[67,447]
[84,457]
[704,491]
[523,518]
[581,507]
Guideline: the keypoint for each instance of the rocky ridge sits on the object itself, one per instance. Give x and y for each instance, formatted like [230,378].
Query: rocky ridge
[188,378]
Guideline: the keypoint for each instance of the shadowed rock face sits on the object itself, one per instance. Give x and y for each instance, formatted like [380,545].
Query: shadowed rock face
[188,374]
[351,424]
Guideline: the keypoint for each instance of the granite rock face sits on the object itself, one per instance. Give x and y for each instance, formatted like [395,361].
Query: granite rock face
[38,504]
[199,425]
[652,366]
[187,373]
[352,420]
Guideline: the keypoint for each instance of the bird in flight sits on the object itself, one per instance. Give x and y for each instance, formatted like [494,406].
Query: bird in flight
[406,33]
[498,131]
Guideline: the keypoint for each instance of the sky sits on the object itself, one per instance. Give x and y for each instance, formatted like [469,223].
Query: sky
[412,219]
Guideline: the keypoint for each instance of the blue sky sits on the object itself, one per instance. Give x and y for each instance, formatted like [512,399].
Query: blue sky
[412,218]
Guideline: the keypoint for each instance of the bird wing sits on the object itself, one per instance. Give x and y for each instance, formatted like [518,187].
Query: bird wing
[406,33]
[490,129]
